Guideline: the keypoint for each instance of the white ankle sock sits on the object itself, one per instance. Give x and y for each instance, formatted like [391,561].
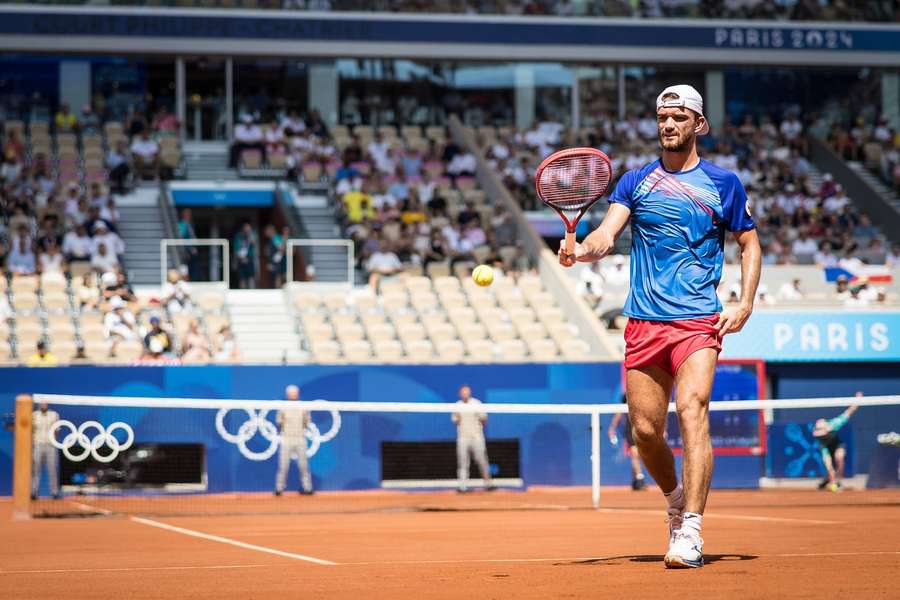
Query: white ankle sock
[675,498]
[692,522]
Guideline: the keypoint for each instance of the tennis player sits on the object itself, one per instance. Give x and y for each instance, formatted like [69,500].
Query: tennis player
[470,441]
[680,207]
[834,452]
[292,422]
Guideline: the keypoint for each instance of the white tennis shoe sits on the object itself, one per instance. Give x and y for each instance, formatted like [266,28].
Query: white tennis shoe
[674,520]
[685,551]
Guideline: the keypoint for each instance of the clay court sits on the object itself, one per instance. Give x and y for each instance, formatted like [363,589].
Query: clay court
[544,543]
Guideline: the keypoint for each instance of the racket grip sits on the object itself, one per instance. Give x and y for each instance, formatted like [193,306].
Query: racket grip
[570,243]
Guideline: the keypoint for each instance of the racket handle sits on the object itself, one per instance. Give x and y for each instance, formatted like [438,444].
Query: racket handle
[570,243]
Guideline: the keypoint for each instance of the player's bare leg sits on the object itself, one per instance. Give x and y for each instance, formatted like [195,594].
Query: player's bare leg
[648,390]
[693,384]
[840,459]
[829,470]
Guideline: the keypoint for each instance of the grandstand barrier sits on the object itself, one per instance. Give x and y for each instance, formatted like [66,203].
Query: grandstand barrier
[313,249]
[217,266]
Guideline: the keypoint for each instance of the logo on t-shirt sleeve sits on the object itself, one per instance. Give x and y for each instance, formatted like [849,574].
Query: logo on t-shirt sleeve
[747,208]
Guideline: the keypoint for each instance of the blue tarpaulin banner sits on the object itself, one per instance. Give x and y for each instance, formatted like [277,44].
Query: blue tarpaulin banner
[812,336]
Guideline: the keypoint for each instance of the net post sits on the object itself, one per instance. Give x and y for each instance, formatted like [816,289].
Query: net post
[22,459]
[595,459]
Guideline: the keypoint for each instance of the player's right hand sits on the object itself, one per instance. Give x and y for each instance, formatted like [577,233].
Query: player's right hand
[594,247]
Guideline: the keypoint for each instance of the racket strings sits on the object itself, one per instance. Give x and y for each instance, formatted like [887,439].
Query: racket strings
[574,182]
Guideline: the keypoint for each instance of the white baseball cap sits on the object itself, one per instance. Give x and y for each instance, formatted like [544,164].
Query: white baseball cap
[686,96]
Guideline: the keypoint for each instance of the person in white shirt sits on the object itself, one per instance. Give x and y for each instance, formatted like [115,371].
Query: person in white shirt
[77,245]
[102,260]
[43,452]
[616,275]
[119,322]
[893,257]
[790,291]
[590,284]
[145,153]
[462,164]
[791,128]
[292,423]
[51,261]
[470,441]
[112,241]
[383,263]
[292,124]
[21,260]
[836,203]
[109,212]
[247,136]
[176,293]
[804,245]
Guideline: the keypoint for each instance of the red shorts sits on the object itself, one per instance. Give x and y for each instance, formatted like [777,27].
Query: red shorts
[667,344]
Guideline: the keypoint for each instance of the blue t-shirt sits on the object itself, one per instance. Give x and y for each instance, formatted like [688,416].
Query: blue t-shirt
[678,223]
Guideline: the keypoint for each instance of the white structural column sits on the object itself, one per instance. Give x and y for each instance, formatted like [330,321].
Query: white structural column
[323,90]
[180,97]
[621,89]
[890,97]
[525,95]
[229,98]
[714,98]
[576,99]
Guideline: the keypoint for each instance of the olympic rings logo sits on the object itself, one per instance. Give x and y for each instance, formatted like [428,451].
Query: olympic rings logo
[91,445]
[258,423]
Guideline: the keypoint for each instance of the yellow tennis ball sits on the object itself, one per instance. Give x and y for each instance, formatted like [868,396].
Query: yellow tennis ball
[483,275]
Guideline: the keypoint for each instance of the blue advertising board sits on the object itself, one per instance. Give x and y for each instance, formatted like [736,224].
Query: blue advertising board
[815,336]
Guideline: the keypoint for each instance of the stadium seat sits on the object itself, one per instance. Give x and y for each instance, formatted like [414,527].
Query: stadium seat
[438,269]
[347,331]
[419,350]
[377,332]
[55,301]
[544,350]
[513,350]
[325,351]
[575,349]
[305,300]
[411,332]
[388,350]
[357,351]
[251,159]
[450,350]
[128,351]
[439,332]
[469,332]
[480,350]
[211,302]
[500,331]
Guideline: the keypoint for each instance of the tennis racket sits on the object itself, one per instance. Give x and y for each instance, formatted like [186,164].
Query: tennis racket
[571,181]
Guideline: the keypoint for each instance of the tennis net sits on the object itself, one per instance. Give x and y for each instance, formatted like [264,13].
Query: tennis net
[125,455]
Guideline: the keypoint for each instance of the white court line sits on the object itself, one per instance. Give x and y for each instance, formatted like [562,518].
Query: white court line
[594,558]
[118,569]
[89,508]
[727,516]
[230,542]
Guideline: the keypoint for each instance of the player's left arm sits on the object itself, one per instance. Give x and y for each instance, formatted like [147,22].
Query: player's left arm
[732,320]
[739,219]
